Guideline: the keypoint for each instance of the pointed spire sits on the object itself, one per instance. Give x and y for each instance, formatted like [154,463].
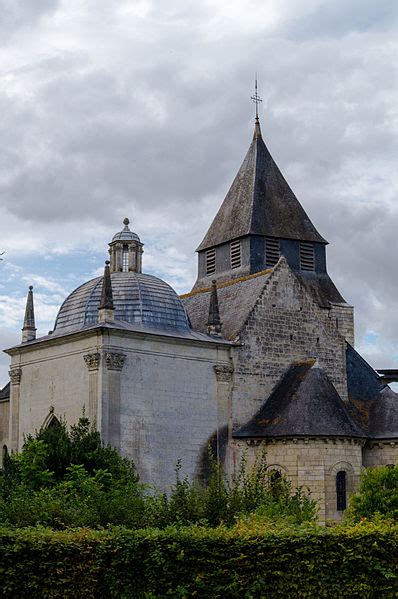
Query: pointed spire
[257,130]
[214,321]
[29,327]
[106,308]
[259,201]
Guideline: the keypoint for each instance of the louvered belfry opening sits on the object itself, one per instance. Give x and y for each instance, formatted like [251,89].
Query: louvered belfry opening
[236,253]
[272,251]
[307,256]
[211,261]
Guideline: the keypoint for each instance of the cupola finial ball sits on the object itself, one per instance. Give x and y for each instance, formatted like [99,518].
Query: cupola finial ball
[126,221]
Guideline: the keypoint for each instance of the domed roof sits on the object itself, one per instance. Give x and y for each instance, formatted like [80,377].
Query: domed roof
[138,299]
[126,234]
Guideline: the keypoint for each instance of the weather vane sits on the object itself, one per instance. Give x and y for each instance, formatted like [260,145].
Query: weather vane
[256,98]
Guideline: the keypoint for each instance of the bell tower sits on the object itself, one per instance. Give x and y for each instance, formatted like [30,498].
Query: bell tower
[125,251]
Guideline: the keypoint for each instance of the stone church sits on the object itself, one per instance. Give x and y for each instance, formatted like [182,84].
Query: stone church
[260,353]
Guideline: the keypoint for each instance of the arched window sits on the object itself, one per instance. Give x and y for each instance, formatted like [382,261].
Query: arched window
[54,422]
[341,491]
[275,479]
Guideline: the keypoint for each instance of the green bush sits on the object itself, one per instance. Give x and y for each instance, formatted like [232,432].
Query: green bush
[43,486]
[359,561]
[377,496]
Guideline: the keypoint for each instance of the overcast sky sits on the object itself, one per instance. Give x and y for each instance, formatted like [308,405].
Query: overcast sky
[142,109]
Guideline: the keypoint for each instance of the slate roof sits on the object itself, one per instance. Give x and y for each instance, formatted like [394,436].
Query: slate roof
[321,287]
[260,202]
[5,392]
[138,299]
[372,404]
[303,403]
[236,299]
[121,326]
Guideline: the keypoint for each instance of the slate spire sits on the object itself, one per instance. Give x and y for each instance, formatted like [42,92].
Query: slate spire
[260,202]
[106,308]
[29,327]
[214,321]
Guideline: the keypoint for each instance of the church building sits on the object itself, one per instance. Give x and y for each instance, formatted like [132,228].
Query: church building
[259,354]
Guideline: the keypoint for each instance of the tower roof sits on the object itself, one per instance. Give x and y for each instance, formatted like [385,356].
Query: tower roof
[260,202]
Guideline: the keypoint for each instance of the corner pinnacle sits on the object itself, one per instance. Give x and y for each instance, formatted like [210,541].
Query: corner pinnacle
[214,321]
[29,326]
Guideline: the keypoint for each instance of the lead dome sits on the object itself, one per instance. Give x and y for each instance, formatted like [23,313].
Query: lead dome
[138,299]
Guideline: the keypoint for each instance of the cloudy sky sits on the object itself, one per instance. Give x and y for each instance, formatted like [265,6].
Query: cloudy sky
[142,109]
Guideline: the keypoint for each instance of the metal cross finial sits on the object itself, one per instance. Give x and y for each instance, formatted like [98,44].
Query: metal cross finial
[256,98]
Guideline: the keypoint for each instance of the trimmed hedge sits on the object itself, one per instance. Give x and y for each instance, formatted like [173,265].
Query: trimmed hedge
[359,561]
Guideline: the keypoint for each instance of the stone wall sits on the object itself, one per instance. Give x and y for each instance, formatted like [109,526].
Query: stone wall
[285,325]
[51,375]
[380,453]
[4,415]
[169,409]
[155,398]
[312,464]
[342,319]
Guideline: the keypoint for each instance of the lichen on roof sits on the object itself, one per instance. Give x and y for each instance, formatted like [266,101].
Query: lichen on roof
[303,403]
[236,299]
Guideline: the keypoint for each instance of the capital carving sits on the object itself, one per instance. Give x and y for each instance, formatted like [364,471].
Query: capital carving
[15,376]
[114,361]
[92,360]
[223,372]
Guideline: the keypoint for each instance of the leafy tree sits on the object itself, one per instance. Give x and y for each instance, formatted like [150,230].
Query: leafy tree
[46,457]
[377,496]
[66,478]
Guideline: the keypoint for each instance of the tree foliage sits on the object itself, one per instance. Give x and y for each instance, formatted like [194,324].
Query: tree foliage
[377,496]
[66,477]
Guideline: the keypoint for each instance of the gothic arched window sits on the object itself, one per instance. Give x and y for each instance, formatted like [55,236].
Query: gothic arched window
[341,490]
[53,423]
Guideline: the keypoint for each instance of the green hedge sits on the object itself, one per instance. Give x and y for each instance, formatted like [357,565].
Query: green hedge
[359,561]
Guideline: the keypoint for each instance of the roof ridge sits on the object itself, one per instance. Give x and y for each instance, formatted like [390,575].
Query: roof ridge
[227,283]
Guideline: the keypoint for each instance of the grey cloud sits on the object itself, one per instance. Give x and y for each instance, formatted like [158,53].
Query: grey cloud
[155,125]
[22,13]
[336,18]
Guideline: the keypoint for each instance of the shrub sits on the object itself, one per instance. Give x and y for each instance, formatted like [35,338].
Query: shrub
[359,561]
[65,478]
[378,494]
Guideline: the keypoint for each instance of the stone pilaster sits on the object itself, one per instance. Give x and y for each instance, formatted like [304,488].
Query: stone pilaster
[15,378]
[224,383]
[114,362]
[93,361]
